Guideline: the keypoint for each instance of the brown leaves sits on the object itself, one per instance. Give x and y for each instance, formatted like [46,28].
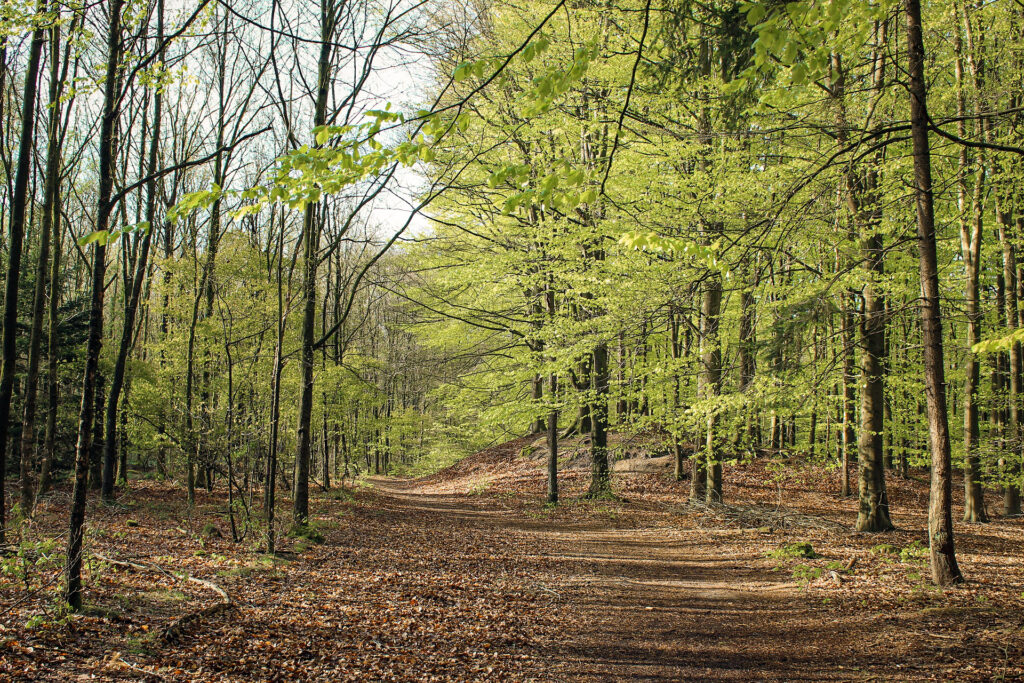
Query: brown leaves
[426,581]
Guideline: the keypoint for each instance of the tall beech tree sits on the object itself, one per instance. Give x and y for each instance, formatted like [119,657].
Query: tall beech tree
[940,507]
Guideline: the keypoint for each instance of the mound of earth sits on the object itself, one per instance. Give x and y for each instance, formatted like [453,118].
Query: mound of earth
[525,458]
[659,465]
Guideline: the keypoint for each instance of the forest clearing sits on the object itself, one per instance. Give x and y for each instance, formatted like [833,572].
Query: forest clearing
[492,340]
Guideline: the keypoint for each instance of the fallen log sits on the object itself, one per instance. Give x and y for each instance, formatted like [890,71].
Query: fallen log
[174,630]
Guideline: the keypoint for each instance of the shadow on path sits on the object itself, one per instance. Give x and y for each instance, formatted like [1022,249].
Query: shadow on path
[657,603]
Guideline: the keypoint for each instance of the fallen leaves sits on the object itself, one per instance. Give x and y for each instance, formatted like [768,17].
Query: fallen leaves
[429,581]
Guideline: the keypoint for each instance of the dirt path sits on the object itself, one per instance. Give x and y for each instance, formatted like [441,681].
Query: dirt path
[643,601]
[432,580]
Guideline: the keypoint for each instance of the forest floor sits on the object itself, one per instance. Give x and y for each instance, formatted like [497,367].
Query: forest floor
[466,575]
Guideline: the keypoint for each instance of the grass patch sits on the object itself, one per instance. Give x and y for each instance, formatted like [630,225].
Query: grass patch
[210,530]
[165,595]
[479,488]
[792,551]
[916,552]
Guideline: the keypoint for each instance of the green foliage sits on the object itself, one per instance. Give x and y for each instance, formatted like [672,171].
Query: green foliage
[210,530]
[794,550]
[806,573]
[916,552]
[307,532]
[479,488]
[885,549]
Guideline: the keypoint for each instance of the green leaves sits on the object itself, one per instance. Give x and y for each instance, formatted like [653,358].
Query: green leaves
[193,201]
[104,237]
[996,344]
[706,255]
[554,82]
[798,38]
[560,188]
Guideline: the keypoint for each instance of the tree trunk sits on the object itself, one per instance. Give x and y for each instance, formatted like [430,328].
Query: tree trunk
[712,377]
[970,249]
[132,303]
[52,333]
[50,224]
[310,254]
[537,391]
[873,511]
[270,480]
[676,430]
[552,424]
[747,356]
[600,484]
[16,240]
[849,395]
[73,568]
[940,509]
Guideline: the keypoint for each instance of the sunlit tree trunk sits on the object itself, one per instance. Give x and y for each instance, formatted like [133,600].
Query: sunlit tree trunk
[712,377]
[552,423]
[940,509]
[970,249]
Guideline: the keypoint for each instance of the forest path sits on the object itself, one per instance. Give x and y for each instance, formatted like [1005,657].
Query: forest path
[449,579]
[641,600]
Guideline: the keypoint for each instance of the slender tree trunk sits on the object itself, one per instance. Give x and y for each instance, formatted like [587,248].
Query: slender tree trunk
[861,196]
[1011,280]
[747,348]
[552,424]
[537,391]
[698,461]
[53,204]
[50,219]
[96,455]
[712,376]
[311,252]
[73,568]
[270,480]
[16,238]
[849,395]
[52,343]
[970,249]
[677,436]
[600,483]
[132,303]
[122,442]
[944,566]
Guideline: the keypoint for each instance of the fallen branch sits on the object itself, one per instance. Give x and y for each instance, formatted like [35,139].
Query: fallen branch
[758,516]
[172,631]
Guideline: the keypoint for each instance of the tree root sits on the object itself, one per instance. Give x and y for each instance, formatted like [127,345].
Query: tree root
[172,631]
